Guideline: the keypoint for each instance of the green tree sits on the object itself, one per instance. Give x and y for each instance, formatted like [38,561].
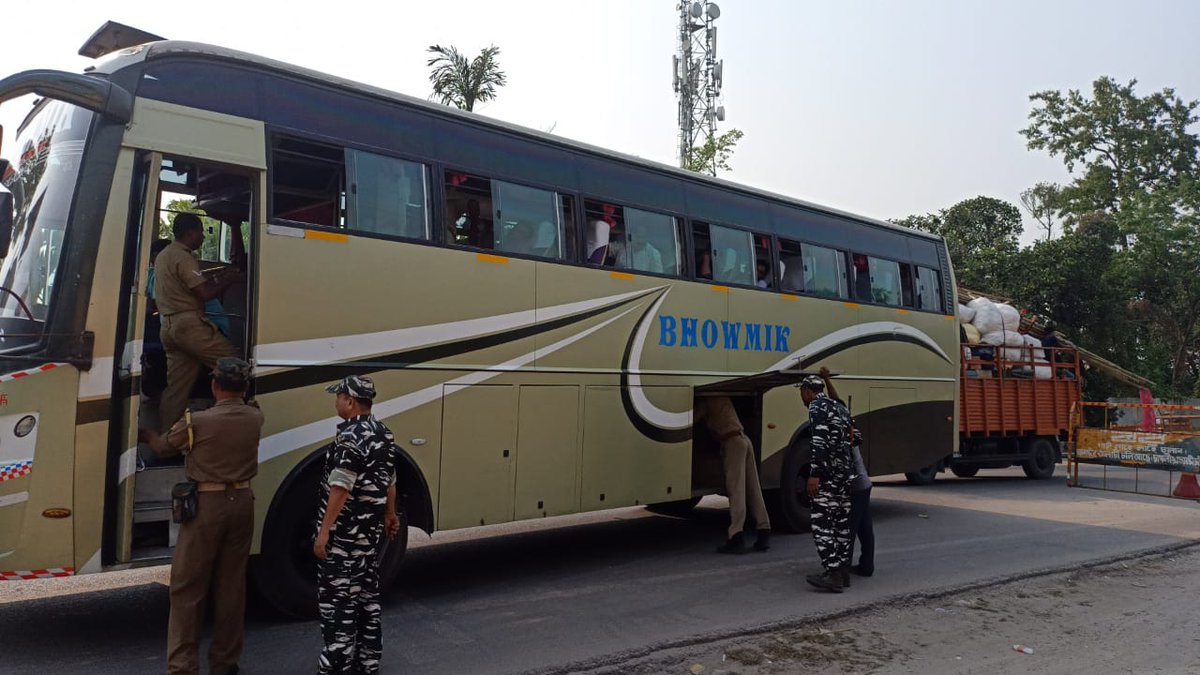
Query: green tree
[1135,167]
[1041,202]
[463,82]
[713,154]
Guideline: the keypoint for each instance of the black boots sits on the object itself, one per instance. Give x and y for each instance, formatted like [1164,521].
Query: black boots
[862,571]
[831,580]
[736,544]
[763,543]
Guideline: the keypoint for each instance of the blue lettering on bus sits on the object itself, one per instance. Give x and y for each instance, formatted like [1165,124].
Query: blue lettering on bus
[753,337]
[731,331]
[688,331]
[666,331]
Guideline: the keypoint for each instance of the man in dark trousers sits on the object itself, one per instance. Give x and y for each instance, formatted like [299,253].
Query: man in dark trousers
[829,484]
[358,507]
[220,450]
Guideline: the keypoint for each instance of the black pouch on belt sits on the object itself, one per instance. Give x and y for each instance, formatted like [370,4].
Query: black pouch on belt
[185,501]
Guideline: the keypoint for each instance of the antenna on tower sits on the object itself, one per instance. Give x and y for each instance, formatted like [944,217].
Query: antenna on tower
[697,75]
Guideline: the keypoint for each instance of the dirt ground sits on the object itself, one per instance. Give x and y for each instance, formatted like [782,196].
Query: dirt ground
[1135,616]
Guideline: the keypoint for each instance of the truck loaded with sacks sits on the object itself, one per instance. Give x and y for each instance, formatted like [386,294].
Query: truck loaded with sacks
[1016,395]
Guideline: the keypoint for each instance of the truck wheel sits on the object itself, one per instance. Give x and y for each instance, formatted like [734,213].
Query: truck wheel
[1042,459]
[789,506]
[964,471]
[678,509]
[285,570]
[923,476]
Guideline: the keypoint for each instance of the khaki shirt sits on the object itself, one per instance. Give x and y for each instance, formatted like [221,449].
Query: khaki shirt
[718,415]
[176,273]
[225,445]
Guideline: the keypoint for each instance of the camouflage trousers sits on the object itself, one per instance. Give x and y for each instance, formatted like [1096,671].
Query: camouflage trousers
[831,521]
[348,602]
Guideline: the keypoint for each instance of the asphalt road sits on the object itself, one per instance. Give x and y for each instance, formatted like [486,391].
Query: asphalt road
[575,593]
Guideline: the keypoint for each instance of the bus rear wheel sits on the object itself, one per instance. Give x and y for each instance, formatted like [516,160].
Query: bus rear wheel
[789,506]
[923,476]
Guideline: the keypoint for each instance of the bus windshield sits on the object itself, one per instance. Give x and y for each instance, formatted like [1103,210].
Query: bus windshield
[47,168]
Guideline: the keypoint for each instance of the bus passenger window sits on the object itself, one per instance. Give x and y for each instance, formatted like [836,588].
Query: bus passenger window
[929,289]
[387,196]
[730,254]
[823,271]
[651,243]
[468,210]
[877,280]
[528,221]
[307,182]
[763,278]
[906,285]
[605,232]
[703,250]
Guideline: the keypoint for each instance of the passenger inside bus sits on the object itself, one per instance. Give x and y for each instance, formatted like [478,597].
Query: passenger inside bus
[597,242]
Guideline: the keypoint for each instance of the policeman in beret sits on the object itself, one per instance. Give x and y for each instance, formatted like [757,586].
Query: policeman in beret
[220,450]
[829,483]
[358,508]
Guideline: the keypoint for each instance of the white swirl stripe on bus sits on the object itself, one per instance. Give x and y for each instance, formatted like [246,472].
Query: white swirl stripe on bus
[322,351]
[15,498]
[284,442]
[663,419]
[849,333]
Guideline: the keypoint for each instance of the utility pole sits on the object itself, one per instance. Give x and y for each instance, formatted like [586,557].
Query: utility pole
[697,75]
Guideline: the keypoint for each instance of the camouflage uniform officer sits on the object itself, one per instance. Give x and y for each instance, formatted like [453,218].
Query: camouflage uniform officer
[190,340]
[829,484]
[358,507]
[220,449]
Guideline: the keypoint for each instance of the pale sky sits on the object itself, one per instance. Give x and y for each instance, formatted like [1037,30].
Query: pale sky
[879,108]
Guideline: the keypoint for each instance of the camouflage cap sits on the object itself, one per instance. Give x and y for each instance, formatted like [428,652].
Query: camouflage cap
[357,386]
[232,369]
[813,382]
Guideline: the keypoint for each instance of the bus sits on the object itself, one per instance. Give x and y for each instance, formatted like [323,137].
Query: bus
[539,315]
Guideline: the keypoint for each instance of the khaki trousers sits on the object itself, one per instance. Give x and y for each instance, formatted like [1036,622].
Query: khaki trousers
[191,341]
[741,484]
[210,558]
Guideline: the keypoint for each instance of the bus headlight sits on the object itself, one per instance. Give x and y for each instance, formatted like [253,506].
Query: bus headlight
[24,426]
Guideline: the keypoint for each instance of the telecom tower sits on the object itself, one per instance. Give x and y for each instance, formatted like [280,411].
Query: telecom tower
[697,76]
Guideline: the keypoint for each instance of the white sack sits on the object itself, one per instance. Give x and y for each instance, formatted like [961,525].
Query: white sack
[1002,338]
[1010,316]
[988,318]
[965,314]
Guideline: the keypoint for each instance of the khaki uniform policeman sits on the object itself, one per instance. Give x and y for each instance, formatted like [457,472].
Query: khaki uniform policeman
[741,472]
[190,340]
[220,448]
[358,507]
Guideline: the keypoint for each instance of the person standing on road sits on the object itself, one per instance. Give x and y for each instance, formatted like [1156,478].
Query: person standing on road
[829,484]
[220,450]
[358,507]
[741,473]
[190,339]
[861,527]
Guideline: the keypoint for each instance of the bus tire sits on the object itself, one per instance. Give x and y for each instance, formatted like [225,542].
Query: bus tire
[923,476]
[789,506]
[964,470]
[1042,459]
[677,509]
[285,570]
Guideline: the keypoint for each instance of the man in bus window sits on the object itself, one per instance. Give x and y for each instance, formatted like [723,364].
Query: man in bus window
[220,450]
[358,507]
[829,484]
[190,339]
[741,473]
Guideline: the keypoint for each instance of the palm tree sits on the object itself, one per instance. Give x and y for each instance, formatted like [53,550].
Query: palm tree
[462,83]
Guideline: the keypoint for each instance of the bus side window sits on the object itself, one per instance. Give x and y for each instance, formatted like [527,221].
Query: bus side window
[468,210]
[929,289]
[702,246]
[308,182]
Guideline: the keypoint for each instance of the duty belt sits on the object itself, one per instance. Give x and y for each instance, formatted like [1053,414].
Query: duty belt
[204,486]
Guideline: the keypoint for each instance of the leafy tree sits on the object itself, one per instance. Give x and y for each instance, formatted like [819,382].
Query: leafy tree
[1134,161]
[463,82]
[714,153]
[1041,201]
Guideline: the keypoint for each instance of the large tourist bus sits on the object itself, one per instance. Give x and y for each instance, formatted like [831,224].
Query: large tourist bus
[539,315]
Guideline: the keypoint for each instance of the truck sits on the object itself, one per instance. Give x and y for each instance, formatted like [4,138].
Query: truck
[1011,412]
